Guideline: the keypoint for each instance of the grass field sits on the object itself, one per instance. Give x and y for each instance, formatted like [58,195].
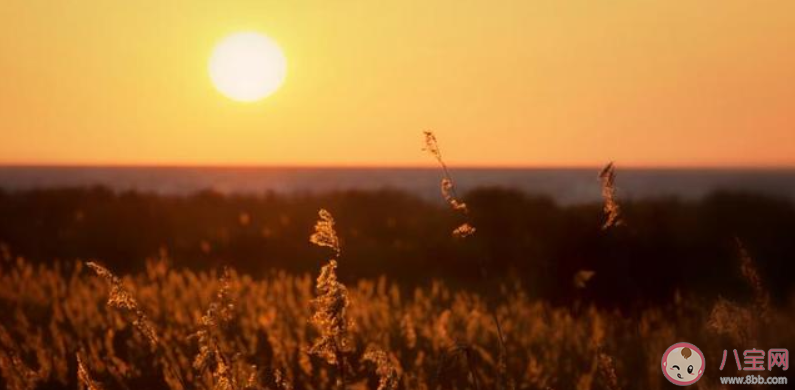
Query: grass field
[178,328]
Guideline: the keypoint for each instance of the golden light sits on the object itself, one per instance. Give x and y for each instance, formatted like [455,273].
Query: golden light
[247,66]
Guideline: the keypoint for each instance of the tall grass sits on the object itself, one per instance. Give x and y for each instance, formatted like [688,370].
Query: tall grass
[52,312]
[331,304]
[448,188]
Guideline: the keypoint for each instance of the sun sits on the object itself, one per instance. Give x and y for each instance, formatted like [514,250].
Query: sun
[247,66]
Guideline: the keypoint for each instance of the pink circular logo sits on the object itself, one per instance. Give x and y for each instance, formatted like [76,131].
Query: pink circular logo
[683,364]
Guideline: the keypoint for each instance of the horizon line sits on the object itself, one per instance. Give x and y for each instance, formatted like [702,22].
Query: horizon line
[395,166]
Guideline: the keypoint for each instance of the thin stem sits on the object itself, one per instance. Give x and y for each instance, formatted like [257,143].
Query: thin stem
[503,363]
[340,366]
[468,353]
[160,350]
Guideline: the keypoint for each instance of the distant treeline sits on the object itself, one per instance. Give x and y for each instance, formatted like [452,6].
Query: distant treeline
[667,245]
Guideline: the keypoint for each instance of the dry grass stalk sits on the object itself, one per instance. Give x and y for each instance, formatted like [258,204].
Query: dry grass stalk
[502,364]
[408,331]
[385,368]
[331,303]
[330,316]
[13,370]
[281,382]
[608,369]
[463,231]
[459,351]
[448,186]
[732,320]
[612,209]
[219,313]
[120,298]
[751,275]
[84,376]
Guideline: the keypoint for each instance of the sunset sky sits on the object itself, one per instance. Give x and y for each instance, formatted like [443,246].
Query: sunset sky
[520,83]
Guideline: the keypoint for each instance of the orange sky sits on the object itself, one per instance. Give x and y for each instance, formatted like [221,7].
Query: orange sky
[531,82]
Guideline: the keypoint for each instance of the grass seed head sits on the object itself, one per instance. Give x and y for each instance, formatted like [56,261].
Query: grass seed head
[612,209]
[385,368]
[120,298]
[324,234]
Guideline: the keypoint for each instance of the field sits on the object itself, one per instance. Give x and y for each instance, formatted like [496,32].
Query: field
[541,318]
[430,337]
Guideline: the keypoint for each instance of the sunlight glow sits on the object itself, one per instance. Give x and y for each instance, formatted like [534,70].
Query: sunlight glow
[247,66]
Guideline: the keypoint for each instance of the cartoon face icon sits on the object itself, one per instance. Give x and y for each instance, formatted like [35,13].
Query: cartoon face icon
[683,364]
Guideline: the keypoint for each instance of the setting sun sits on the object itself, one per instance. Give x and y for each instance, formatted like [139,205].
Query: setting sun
[247,66]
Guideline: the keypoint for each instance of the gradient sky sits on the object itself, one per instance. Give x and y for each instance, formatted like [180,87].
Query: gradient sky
[521,83]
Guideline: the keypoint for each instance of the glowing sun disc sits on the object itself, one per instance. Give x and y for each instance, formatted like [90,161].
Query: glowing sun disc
[247,66]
